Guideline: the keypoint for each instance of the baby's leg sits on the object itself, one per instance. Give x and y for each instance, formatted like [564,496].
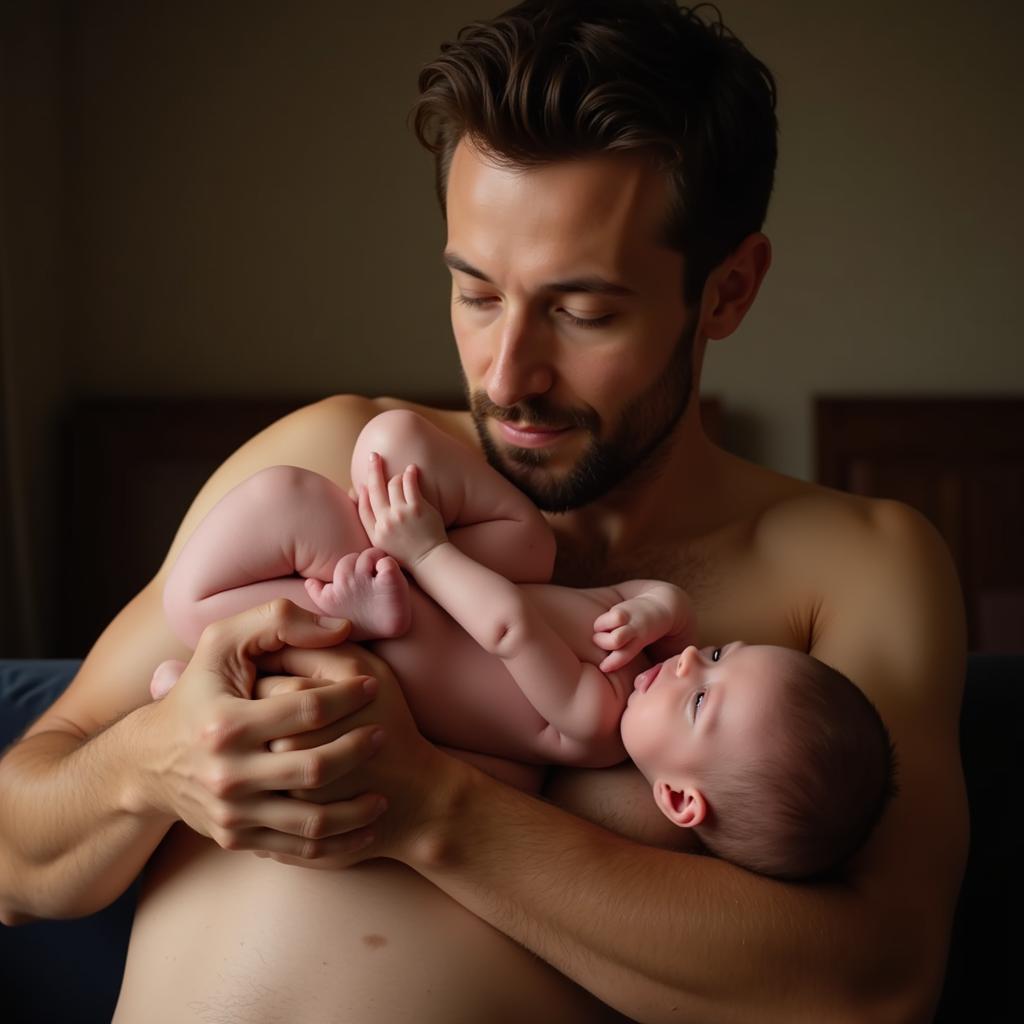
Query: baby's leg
[487,517]
[277,523]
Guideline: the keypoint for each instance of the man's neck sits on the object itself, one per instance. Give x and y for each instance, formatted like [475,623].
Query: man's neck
[673,494]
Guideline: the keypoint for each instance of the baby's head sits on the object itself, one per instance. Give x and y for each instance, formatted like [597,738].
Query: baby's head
[779,762]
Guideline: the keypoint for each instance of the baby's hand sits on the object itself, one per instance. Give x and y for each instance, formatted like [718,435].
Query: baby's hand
[628,627]
[396,516]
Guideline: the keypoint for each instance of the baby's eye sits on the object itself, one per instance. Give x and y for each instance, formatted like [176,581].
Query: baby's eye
[716,654]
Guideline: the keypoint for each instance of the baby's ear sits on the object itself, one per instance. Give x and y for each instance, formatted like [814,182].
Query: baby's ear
[684,807]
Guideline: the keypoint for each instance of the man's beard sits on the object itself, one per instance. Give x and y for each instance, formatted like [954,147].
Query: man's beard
[645,424]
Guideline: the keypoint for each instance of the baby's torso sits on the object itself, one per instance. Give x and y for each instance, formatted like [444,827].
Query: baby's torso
[464,697]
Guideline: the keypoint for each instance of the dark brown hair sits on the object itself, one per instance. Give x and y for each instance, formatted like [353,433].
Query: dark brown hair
[810,800]
[560,79]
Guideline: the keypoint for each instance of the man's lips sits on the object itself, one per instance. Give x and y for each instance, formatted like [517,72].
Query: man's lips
[527,436]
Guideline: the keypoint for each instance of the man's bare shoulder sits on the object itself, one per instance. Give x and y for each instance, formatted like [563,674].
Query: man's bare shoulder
[878,587]
[882,595]
[808,520]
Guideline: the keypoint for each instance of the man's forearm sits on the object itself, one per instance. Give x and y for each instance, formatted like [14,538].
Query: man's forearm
[661,936]
[69,841]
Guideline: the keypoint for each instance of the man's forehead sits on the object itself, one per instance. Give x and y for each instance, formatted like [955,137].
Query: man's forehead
[605,208]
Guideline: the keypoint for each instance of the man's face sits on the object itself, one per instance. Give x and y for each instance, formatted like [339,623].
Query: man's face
[568,314]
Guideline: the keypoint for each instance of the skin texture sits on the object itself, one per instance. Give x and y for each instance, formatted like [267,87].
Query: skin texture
[661,936]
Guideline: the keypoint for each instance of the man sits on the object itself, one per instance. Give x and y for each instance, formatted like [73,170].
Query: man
[604,169]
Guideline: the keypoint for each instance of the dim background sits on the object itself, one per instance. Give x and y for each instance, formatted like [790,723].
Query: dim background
[224,199]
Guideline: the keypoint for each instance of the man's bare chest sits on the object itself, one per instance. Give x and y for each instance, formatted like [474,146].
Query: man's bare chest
[737,595]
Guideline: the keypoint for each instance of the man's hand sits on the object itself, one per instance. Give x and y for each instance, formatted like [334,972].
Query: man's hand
[396,516]
[206,759]
[416,778]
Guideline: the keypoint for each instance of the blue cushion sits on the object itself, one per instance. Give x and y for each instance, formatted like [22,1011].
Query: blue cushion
[27,689]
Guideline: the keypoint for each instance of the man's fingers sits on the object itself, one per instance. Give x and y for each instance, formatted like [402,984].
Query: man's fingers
[333,664]
[293,827]
[303,710]
[331,854]
[232,643]
[310,769]
[273,686]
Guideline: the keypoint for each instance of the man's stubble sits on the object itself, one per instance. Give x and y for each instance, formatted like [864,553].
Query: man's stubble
[645,425]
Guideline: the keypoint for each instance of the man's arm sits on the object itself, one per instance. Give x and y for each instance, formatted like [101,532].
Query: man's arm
[89,792]
[666,936]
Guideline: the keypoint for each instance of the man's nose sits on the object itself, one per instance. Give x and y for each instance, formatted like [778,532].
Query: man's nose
[520,366]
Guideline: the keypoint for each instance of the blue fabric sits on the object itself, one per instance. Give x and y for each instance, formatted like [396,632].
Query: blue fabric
[27,689]
[60,971]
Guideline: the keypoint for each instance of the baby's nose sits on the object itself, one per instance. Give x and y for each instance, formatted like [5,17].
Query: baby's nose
[686,660]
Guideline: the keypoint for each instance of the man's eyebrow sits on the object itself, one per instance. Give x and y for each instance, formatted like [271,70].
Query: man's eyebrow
[591,284]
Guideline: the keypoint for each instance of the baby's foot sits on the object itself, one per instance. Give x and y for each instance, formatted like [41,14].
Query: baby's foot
[370,591]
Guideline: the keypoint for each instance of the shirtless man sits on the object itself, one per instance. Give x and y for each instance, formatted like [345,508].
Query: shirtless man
[580,324]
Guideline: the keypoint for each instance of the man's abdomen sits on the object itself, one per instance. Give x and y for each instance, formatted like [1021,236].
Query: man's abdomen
[231,937]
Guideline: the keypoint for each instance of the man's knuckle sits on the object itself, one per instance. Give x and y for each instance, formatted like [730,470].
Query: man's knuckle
[312,771]
[226,817]
[230,839]
[278,608]
[215,634]
[315,825]
[219,732]
[311,709]
[220,782]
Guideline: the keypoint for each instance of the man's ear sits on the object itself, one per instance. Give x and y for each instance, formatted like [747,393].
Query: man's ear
[684,807]
[732,286]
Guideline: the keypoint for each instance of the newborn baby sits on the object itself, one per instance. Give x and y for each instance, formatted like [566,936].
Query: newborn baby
[779,763]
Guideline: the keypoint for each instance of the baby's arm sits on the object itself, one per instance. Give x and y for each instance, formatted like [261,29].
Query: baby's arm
[650,614]
[487,517]
[580,703]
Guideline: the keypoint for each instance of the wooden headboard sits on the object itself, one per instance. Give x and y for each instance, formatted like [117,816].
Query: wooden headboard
[961,463]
